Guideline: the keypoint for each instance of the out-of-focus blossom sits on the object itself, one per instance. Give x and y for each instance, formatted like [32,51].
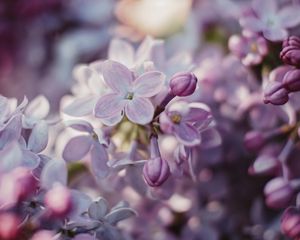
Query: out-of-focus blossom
[9,226]
[290,53]
[130,96]
[249,47]
[290,222]
[43,234]
[254,140]
[271,20]
[158,18]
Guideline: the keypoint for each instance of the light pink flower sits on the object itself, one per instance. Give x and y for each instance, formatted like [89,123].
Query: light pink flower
[130,95]
[270,20]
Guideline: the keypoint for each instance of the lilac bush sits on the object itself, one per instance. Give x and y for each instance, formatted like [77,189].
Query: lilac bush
[149,119]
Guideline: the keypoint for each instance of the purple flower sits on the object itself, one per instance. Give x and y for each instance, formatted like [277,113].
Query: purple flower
[291,80]
[265,164]
[130,95]
[290,53]
[183,84]
[185,121]
[270,20]
[250,48]
[156,170]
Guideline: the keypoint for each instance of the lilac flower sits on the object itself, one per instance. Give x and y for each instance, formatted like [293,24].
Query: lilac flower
[270,20]
[130,96]
[183,84]
[290,53]
[92,142]
[185,121]
[250,48]
[290,222]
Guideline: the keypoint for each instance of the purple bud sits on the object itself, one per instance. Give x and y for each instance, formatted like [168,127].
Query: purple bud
[290,53]
[278,192]
[58,200]
[156,171]
[290,223]
[9,226]
[265,164]
[275,94]
[254,140]
[291,80]
[183,84]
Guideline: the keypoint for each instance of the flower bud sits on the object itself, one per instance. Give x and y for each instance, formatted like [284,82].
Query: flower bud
[183,84]
[156,171]
[9,226]
[265,164]
[290,53]
[291,80]
[290,223]
[254,140]
[275,94]
[278,192]
[58,200]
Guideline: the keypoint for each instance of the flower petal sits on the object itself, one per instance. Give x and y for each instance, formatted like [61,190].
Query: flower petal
[139,110]
[114,119]
[38,108]
[81,107]
[289,16]
[77,148]
[117,76]
[98,209]
[119,214]
[109,106]
[263,7]
[252,23]
[99,160]
[38,138]
[275,34]
[30,160]
[121,51]
[149,84]
[80,125]
[10,157]
[55,171]
[187,134]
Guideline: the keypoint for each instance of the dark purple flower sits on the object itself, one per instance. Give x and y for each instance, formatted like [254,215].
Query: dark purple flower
[276,94]
[183,84]
[290,53]
[291,80]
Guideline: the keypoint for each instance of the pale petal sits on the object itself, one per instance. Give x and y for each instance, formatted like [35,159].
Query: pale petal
[114,119]
[55,171]
[264,7]
[119,214]
[11,131]
[10,157]
[118,77]
[197,112]
[109,106]
[289,16]
[77,148]
[80,125]
[187,134]
[149,84]
[38,138]
[98,209]
[99,160]
[30,160]
[121,51]
[275,34]
[252,23]
[38,108]
[139,110]
[81,107]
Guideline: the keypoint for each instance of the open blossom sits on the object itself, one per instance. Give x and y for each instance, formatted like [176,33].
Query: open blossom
[184,120]
[270,20]
[130,95]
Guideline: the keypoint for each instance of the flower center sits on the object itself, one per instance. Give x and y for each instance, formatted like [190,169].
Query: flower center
[176,118]
[129,96]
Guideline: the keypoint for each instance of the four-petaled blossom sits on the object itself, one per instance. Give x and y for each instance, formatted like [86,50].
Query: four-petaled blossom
[270,20]
[185,121]
[130,95]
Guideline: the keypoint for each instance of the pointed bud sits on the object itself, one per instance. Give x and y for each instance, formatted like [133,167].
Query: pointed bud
[265,164]
[156,171]
[183,84]
[278,192]
[58,200]
[254,140]
[291,80]
[290,223]
[275,94]
[290,53]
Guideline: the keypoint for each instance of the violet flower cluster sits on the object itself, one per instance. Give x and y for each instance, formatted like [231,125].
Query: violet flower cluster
[149,119]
